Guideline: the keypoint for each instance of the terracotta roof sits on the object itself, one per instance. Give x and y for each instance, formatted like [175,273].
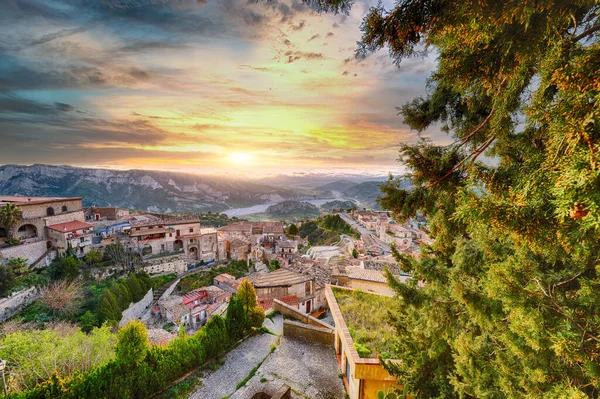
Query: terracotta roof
[291,300]
[223,277]
[266,304]
[20,200]
[287,244]
[281,278]
[71,226]
[147,232]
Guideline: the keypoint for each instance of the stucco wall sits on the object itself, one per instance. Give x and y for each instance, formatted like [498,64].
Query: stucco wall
[137,309]
[12,305]
[170,290]
[31,252]
[167,264]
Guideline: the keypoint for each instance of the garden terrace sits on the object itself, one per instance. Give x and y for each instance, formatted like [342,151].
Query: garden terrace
[366,316]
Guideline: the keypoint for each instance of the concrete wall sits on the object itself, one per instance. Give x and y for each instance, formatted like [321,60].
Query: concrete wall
[13,304]
[137,309]
[371,286]
[31,252]
[295,313]
[308,333]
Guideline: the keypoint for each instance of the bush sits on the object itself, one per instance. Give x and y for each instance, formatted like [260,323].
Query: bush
[65,268]
[236,319]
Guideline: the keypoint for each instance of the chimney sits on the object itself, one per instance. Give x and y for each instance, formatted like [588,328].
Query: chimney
[65,228]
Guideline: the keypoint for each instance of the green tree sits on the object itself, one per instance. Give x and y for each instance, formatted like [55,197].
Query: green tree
[255,317]
[247,295]
[235,319]
[510,306]
[93,256]
[108,308]
[18,265]
[292,230]
[354,253]
[65,268]
[10,217]
[133,344]
[88,321]
[7,280]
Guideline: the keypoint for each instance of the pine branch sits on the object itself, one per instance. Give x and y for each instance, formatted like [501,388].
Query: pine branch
[587,33]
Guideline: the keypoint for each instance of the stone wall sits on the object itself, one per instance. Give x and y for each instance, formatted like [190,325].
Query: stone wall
[166,264]
[13,304]
[170,290]
[31,252]
[137,309]
[306,332]
[296,314]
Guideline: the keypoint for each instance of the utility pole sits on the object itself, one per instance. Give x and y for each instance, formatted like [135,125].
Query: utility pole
[2,367]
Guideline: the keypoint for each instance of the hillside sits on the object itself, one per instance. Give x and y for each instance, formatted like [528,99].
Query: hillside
[337,204]
[145,190]
[292,209]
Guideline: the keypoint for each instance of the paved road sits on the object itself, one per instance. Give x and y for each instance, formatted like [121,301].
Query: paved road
[363,231]
[238,364]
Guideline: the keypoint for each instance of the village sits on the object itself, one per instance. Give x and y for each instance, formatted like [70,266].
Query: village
[194,270]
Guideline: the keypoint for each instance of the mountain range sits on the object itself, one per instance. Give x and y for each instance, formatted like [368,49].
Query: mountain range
[160,191]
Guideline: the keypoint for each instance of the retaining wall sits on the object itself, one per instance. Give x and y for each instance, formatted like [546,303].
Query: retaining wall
[13,304]
[306,332]
[31,252]
[296,314]
[137,309]
[170,290]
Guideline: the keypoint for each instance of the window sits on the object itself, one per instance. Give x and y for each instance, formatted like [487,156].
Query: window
[81,239]
[50,211]
[191,230]
[137,228]
[64,208]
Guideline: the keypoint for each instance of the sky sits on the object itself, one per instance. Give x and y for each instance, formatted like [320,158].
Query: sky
[227,86]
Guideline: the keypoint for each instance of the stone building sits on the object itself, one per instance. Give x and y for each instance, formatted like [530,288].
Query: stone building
[39,212]
[154,235]
[238,249]
[286,248]
[286,284]
[75,234]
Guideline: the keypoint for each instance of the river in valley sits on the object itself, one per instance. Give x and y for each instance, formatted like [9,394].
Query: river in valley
[263,207]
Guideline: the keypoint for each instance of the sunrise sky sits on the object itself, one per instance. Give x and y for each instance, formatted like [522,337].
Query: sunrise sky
[201,86]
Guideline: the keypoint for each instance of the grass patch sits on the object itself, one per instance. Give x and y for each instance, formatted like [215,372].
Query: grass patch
[160,281]
[182,389]
[272,314]
[263,380]
[366,316]
[265,330]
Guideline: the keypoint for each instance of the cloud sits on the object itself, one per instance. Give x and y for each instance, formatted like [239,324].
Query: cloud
[293,56]
[313,37]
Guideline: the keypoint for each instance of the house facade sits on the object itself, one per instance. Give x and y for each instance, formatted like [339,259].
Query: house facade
[284,283]
[75,234]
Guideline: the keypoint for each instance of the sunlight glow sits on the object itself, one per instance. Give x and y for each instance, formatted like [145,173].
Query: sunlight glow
[240,158]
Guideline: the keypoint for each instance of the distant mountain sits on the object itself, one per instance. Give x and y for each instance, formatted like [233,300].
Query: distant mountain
[368,192]
[140,189]
[338,185]
[292,209]
[365,193]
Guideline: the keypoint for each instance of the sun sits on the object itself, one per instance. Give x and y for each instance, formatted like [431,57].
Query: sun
[240,158]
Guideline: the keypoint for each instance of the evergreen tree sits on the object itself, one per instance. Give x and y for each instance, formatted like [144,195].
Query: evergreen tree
[235,319]
[108,308]
[7,280]
[292,230]
[133,344]
[509,307]
[65,268]
[247,295]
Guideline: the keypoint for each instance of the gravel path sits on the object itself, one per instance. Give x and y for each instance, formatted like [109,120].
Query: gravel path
[310,369]
[238,364]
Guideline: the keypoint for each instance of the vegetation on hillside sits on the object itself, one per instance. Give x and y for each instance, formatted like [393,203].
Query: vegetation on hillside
[33,355]
[326,230]
[216,219]
[237,268]
[366,316]
[134,369]
[510,307]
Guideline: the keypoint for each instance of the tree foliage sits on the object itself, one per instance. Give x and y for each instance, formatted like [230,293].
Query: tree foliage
[235,318]
[10,217]
[510,306]
[7,280]
[133,345]
[65,268]
[32,355]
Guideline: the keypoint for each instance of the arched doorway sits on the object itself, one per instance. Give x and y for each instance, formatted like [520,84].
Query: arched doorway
[64,208]
[3,236]
[193,253]
[177,245]
[147,250]
[27,231]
